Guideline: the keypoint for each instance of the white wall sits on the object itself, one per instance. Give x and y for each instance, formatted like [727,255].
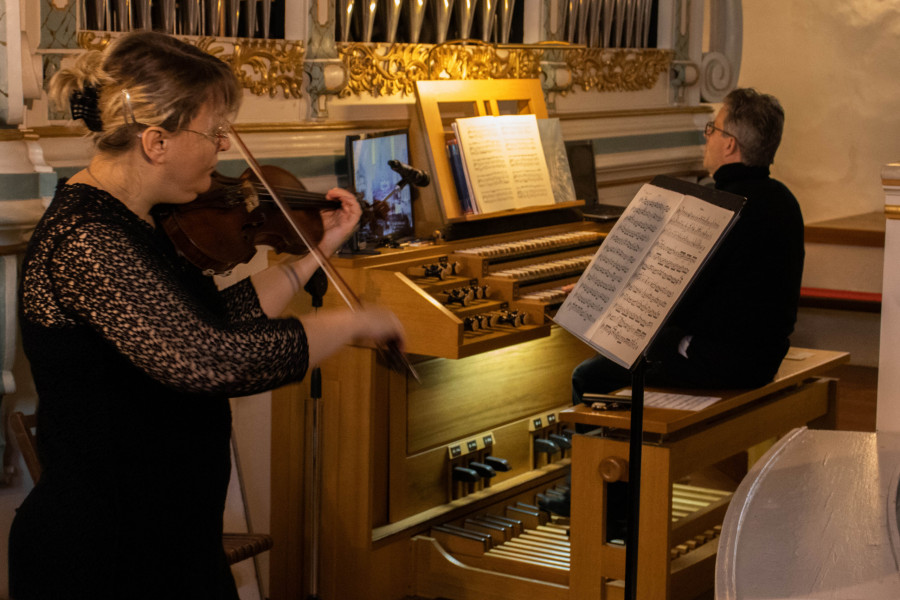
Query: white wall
[831,64]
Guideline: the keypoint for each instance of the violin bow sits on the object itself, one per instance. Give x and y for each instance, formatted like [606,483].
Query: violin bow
[395,358]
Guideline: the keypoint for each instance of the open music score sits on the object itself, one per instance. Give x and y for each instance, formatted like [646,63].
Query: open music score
[645,265]
[504,162]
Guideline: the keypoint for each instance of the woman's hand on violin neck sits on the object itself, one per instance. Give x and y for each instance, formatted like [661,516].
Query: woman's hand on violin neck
[339,224]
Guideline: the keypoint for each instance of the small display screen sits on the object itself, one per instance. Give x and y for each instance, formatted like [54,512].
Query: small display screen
[387,212]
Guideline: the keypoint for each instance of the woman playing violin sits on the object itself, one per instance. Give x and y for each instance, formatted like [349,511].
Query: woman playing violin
[135,352]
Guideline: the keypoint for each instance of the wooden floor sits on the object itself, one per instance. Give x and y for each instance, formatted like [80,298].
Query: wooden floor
[856,397]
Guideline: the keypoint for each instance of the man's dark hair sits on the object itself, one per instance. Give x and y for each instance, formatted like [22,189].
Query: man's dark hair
[756,120]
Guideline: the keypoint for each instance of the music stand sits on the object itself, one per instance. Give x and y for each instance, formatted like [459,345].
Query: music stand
[649,261]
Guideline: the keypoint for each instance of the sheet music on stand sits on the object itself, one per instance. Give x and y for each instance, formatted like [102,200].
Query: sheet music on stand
[647,262]
[645,265]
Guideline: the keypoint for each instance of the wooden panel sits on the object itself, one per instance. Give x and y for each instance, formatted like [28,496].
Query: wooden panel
[431,329]
[655,521]
[498,392]
[474,394]
[717,442]
[856,230]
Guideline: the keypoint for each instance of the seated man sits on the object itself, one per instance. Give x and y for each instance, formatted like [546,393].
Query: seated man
[731,329]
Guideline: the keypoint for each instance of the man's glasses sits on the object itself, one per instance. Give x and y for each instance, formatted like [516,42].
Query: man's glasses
[711,127]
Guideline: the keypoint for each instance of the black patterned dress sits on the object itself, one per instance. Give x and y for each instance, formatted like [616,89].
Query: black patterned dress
[134,355]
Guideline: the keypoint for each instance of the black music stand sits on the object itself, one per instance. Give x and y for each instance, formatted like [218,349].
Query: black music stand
[638,372]
[635,447]
[636,360]
[316,287]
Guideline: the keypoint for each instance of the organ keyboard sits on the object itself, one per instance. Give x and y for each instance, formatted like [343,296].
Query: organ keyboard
[463,298]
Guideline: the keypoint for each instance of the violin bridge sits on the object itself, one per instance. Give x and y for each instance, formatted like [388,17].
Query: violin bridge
[251,197]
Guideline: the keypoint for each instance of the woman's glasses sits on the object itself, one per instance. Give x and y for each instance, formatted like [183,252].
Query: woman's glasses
[217,137]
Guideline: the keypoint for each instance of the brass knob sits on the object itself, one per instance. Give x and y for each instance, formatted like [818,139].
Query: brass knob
[613,468]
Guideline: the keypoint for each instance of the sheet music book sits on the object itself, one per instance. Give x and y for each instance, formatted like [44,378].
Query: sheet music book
[647,262]
[460,179]
[504,160]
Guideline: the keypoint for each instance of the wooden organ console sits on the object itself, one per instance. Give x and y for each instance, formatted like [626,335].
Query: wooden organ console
[429,488]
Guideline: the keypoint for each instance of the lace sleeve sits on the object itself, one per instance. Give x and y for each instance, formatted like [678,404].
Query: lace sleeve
[242,301]
[121,290]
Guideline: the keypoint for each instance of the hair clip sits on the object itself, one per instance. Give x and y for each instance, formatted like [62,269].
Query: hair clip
[127,110]
[84,105]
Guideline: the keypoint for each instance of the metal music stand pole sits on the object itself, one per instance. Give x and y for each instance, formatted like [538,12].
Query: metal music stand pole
[316,286]
[634,477]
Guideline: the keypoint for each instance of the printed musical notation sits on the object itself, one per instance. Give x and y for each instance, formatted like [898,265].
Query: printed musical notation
[673,401]
[504,161]
[640,271]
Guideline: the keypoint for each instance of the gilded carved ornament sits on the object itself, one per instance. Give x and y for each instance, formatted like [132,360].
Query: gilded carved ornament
[267,67]
[386,70]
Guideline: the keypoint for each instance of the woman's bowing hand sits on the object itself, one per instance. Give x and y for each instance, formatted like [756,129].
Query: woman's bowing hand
[328,331]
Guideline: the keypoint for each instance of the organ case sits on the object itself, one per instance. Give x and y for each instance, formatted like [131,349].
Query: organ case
[403,511]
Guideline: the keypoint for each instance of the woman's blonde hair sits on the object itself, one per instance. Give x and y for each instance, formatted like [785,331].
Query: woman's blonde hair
[145,79]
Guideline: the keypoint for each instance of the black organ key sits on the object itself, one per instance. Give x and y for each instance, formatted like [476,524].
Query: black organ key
[560,440]
[545,446]
[465,474]
[483,469]
[497,463]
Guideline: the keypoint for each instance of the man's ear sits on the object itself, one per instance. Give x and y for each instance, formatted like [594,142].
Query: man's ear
[155,144]
[732,148]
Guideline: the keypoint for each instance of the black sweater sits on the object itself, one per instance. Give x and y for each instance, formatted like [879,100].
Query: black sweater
[741,310]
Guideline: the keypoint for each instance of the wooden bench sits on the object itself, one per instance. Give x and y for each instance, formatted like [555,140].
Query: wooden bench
[676,444]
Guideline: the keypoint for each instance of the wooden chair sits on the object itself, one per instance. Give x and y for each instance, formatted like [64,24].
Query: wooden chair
[238,546]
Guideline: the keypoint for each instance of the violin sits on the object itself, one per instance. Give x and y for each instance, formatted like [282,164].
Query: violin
[222,226]
[250,205]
